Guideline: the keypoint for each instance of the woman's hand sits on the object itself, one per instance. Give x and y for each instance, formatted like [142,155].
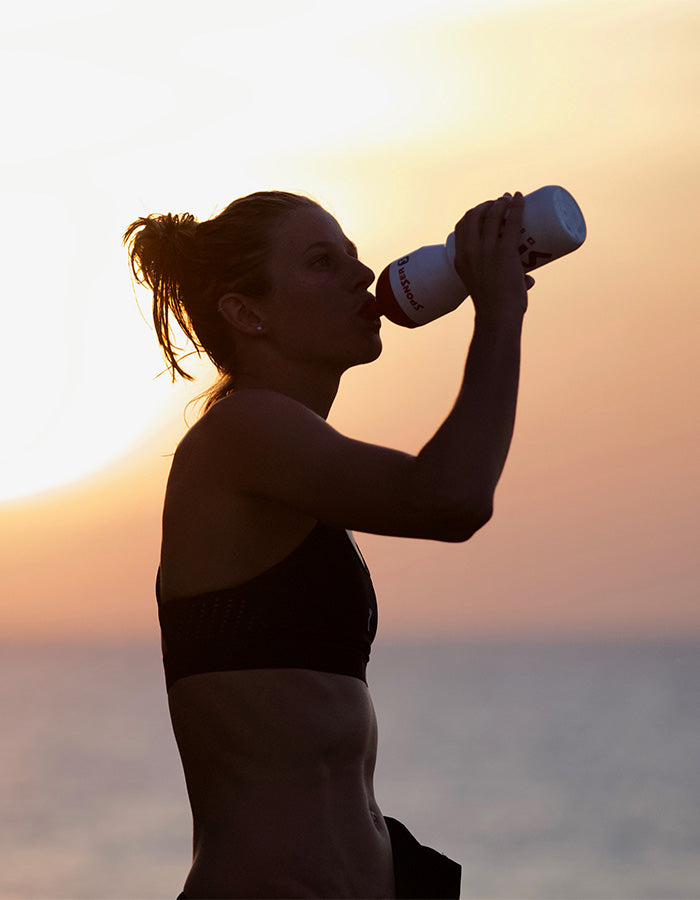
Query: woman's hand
[487,258]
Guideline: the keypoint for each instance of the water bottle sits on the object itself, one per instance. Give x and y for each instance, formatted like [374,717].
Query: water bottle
[424,284]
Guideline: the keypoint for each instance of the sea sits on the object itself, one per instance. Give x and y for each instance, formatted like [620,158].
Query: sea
[548,770]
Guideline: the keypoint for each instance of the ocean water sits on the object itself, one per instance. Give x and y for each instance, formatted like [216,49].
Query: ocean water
[547,770]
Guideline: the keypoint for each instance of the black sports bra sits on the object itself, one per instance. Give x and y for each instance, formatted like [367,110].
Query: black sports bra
[316,609]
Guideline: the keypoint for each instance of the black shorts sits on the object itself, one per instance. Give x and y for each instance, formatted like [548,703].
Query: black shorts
[420,873]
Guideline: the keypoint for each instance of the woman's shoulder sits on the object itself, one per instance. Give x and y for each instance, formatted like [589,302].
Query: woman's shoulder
[257,402]
[250,419]
[235,432]
[237,406]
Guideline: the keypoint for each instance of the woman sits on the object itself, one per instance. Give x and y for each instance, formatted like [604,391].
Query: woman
[266,607]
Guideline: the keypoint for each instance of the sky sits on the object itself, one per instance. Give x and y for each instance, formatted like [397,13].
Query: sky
[397,118]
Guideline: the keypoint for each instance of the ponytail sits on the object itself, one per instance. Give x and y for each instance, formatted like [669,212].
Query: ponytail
[161,247]
[189,265]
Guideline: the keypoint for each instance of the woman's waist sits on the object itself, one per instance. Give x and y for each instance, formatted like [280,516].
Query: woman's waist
[264,792]
[335,843]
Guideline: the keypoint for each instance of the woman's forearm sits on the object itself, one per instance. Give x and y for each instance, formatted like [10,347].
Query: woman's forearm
[463,461]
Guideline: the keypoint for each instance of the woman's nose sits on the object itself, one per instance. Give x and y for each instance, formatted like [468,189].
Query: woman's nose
[364,275]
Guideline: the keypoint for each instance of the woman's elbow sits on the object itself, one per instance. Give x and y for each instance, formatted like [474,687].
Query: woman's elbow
[447,514]
[472,523]
[459,526]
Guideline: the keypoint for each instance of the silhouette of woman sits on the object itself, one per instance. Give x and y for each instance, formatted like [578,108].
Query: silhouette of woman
[266,606]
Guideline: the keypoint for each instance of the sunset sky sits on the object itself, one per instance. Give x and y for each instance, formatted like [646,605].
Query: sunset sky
[397,117]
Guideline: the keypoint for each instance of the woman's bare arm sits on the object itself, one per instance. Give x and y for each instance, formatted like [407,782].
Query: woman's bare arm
[471,446]
[269,445]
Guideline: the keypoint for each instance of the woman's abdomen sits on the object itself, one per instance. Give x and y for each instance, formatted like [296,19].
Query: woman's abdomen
[279,767]
[301,844]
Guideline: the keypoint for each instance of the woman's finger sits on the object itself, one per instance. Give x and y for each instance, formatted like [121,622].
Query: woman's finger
[514,221]
[494,219]
[469,228]
[475,213]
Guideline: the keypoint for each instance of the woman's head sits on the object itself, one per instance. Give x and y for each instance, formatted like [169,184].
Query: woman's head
[310,318]
[190,265]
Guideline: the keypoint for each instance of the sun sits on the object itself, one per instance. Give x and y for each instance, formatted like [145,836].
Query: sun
[98,132]
[80,362]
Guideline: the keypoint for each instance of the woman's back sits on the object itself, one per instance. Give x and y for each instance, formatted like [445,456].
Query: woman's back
[214,536]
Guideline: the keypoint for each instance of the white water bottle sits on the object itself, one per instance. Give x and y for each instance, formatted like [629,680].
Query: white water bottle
[424,284]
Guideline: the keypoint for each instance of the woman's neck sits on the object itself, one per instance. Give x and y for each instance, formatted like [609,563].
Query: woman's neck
[316,393]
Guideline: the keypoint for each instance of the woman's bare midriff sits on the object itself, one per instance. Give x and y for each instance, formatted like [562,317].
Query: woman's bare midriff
[279,766]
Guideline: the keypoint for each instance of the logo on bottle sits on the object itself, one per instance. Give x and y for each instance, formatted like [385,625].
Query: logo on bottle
[536,257]
[406,284]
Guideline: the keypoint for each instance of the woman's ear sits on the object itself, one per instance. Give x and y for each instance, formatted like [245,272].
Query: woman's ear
[241,312]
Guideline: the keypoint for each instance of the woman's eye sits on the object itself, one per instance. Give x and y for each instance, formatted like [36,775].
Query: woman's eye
[322,260]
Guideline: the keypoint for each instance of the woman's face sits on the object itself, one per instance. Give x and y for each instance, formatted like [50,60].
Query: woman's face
[319,289]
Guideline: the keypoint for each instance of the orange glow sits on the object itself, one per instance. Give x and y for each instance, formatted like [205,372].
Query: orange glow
[595,525]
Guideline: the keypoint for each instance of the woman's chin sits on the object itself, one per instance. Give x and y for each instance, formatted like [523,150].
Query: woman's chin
[375,351]
[365,353]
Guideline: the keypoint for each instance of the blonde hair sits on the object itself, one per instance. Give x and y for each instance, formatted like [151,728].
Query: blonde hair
[188,265]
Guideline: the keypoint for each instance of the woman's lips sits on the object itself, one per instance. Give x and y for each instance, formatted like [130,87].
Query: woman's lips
[370,309]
